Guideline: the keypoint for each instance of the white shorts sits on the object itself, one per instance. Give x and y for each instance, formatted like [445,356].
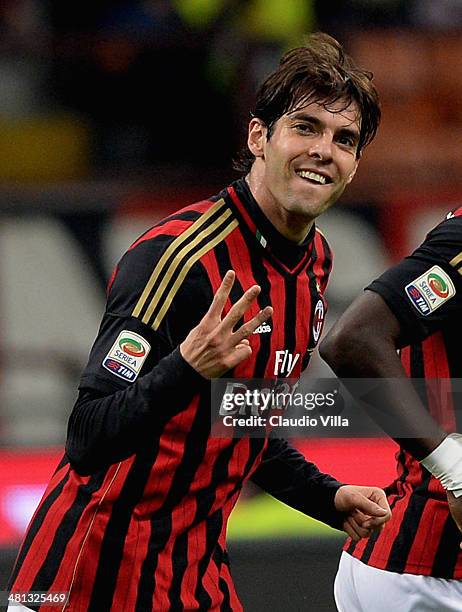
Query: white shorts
[18,608]
[361,588]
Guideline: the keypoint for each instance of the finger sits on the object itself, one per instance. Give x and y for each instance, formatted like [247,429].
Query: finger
[378,496]
[376,528]
[240,308]
[369,507]
[353,535]
[354,531]
[359,529]
[375,524]
[241,351]
[244,346]
[359,516]
[221,295]
[248,328]
[368,522]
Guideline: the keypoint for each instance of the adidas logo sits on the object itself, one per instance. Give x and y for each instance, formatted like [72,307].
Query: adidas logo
[264,328]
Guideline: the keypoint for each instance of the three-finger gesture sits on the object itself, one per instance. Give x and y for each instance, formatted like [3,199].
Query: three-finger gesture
[213,347]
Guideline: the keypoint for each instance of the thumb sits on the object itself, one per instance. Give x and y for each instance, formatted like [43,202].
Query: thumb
[368,507]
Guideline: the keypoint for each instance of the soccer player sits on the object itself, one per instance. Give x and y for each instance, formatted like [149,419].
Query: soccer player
[415,563]
[135,516]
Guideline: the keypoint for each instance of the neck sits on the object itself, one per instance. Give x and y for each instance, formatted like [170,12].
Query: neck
[291,226]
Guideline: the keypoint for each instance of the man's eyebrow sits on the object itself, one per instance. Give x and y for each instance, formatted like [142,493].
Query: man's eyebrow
[301,116]
[344,131]
[351,132]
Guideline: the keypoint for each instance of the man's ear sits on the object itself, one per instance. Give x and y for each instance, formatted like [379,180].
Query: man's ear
[257,137]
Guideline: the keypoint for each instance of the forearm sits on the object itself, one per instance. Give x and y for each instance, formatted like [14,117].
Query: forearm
[363,344]
[286,475]
[104,430]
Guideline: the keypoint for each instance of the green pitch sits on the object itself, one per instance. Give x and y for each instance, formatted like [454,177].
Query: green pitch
[263,516]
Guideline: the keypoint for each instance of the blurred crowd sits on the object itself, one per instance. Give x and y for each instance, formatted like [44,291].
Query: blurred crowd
[130,83]
[156,81]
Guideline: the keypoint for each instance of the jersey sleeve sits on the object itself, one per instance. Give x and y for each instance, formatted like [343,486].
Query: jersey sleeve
[136,378]
[425,289]
[147,316]
[285,474]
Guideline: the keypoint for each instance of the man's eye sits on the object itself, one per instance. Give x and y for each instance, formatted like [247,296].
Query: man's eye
[347,141]
[304,127]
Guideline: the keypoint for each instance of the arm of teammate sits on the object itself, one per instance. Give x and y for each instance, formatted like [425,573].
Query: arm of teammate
[363,344]
[285,474]
[106,429]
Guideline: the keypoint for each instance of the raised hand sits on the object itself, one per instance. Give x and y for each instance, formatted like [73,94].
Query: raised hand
[213,347]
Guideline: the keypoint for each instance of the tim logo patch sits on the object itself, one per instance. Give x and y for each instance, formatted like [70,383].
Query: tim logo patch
[127,355]
[430,290]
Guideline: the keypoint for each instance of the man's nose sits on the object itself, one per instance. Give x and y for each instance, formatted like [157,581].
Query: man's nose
[321,148]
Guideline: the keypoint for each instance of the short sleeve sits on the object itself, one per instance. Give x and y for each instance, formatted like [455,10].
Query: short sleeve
[425,289]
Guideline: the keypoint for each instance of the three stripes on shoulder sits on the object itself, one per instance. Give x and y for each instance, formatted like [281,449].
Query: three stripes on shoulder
[172,268]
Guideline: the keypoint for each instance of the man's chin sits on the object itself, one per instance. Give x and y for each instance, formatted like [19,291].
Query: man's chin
[311,210]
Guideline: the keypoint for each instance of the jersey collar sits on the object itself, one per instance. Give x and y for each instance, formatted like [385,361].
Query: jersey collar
[289,253]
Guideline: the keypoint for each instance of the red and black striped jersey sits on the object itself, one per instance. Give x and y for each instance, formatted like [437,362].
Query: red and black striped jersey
[135,516]
[424,292]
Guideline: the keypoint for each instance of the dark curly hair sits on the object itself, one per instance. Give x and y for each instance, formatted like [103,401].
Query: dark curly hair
[321,72]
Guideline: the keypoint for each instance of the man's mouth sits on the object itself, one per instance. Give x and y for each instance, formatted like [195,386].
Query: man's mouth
[314,177]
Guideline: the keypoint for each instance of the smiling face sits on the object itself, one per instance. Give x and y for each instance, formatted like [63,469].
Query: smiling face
[304,165]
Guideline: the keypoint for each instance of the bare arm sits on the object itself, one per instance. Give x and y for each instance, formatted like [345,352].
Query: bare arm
[362,344]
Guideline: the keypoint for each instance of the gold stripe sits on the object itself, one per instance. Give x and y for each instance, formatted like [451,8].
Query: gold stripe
[456,260]
[188,265]
[177,261]
[87,533]
[160,264]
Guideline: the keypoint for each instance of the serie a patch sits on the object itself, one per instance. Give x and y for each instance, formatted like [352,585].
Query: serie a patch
[127,355]
[430,290]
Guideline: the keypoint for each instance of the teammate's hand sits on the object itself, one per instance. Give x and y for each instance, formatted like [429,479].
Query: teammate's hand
[455,508]
[366,510]
[214,346]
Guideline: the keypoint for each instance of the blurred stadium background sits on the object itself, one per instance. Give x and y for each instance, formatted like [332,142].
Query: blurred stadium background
[113,114]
